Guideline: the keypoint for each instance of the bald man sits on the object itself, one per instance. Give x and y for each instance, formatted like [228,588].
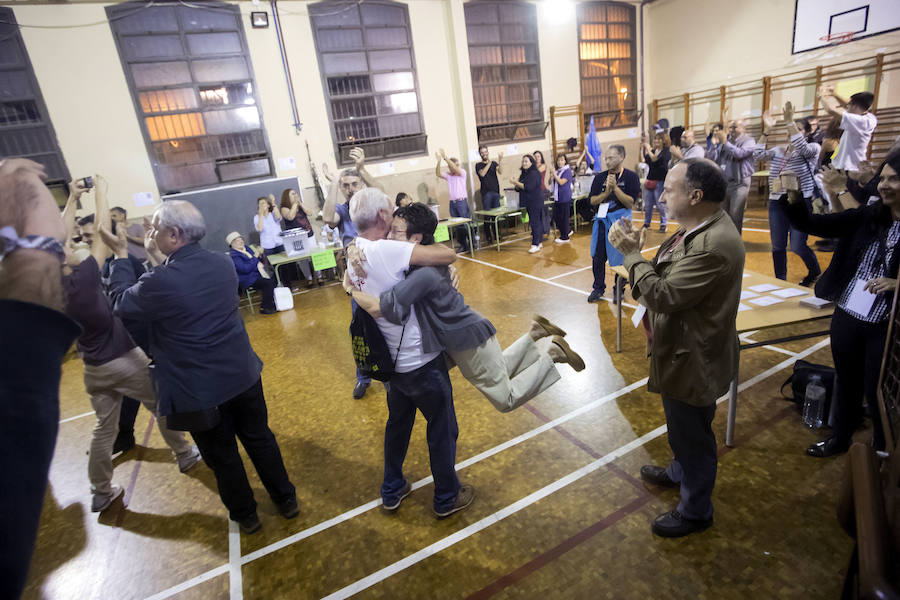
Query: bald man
[733,152]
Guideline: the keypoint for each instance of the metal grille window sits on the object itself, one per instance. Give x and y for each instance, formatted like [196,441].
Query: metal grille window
[606,53]
[192,83]
[369,74]
[506,73]
[25,128]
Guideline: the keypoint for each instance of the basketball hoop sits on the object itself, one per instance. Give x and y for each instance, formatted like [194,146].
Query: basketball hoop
[833,39]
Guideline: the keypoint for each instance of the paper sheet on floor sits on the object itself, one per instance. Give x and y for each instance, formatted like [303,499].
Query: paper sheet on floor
[789,293]
[745,294]
[765,301]
[764,287]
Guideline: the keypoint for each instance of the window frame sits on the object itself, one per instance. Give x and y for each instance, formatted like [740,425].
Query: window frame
[24,65]
[632,23]
[118,11]
[510,126]
[342,149]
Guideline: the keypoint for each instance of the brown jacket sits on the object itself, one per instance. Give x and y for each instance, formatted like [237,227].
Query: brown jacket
[692,296]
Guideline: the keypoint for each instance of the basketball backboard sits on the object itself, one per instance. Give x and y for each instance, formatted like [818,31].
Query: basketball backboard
[819,23]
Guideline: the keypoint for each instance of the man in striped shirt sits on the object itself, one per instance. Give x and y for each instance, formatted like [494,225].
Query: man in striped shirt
[799,157]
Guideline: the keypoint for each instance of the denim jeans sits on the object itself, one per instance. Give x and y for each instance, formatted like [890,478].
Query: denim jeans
[779,230]
[428,390]
[460,208]
[651,199]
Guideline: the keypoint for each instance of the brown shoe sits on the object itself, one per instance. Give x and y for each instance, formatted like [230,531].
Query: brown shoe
[572,357]
[463,499]
[549,327]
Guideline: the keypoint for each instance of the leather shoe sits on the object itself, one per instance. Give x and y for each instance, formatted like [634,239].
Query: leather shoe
[250,525]
[827,447]
[673,524]
[289,508]
[657,476]
[360,390]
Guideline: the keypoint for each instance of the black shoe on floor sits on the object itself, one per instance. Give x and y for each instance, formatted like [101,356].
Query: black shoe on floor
[124,442]
[267,311]
[360,390]
[827,447]
[289,508]
[809,279]
[595,296]
[250,525]
[658,476]
[673,524]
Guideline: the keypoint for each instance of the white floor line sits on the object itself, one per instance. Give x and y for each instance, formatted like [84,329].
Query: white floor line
[545,491]
[746,339]
[591,266]
[87,414]
[235,578]
[346,516]
[759,230]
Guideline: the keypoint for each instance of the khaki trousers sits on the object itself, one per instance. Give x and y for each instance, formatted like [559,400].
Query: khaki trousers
[107,383]
[508,378]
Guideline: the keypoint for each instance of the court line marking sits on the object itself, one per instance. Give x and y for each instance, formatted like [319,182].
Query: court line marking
[310,531]
[235,577]
[87,414]
[591,266]
[496,517]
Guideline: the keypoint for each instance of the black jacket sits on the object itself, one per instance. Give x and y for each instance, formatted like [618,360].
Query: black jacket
[854,229]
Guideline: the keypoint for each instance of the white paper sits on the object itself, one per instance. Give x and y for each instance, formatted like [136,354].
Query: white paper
[602,209]
[144,199]
[638,314]
[764,287]
[387,168]
[745,294]
[512,149]
[742,307]
[765,301]
[789,293]
[861,300]
[287,163]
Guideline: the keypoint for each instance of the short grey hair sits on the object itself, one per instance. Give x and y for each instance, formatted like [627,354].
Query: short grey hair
[183,216]
[365,206]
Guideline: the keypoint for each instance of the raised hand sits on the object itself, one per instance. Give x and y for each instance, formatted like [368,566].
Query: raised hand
[358,155]
[788,112]
[117,242]
[768,121]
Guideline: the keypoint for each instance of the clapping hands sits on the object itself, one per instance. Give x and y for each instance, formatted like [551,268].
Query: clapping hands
[625,238]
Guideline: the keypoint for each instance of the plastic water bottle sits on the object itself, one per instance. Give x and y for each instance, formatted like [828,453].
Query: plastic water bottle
[814,403]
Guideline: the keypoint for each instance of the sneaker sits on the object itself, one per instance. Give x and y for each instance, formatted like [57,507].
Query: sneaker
[560,241]
[101,502]
[595,296]
[124,442]
[534,249]
[289,508]
[188,460]
[541,246]
[406,491]
[662,228]
[571,233]
[249,525]
[463,499]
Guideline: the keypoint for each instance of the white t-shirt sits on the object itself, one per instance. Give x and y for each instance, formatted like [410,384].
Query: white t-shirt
[855,140]
[268,237]
[386,264]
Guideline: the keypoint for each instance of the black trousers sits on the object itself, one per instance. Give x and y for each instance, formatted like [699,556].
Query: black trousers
[696,457]
[562,212]
[246,417]
[266,287]
[128,415]
[857,348]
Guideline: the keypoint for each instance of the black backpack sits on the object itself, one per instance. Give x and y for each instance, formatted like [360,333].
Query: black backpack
[370,351]
[800,377]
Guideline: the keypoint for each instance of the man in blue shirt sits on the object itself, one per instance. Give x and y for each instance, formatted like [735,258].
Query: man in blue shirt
[613,194]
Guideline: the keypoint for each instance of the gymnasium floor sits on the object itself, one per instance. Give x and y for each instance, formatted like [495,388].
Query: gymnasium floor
[560,512]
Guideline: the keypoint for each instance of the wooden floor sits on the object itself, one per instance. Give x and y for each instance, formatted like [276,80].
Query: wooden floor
[560,512]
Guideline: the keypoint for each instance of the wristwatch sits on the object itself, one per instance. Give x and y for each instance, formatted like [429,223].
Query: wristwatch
[10,241]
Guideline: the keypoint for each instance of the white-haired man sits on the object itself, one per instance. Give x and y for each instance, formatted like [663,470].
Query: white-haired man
[207,374]
[420,379]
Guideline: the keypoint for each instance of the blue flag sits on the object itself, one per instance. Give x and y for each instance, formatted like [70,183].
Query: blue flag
[592,144]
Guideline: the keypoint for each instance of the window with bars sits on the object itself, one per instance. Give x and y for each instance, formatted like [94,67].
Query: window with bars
[25,128]
[506,73]
[192,82]
[606,52]
[368,70]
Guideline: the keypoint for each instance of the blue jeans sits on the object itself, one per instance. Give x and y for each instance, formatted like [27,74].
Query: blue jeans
[779,231]
[428,390]
[490,200]
[651,199]
[598,261]
[460,208]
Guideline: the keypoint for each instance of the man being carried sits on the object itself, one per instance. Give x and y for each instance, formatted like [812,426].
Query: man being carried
[856,121]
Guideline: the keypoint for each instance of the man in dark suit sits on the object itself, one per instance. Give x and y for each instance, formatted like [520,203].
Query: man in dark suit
[691,289]
[207,374]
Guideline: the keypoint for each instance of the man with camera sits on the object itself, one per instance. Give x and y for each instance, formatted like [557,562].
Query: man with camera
[691,289]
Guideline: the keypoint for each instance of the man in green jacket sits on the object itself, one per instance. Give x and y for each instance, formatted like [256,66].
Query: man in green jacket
[691,290]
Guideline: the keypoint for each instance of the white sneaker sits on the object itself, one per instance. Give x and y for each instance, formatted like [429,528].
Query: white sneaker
[101,502]
[541,246]
[571,233]
[534,249]
[189,460]
[560,241]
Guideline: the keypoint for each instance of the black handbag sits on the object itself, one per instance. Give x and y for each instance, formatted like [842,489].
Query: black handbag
[370,351]
[798,380]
